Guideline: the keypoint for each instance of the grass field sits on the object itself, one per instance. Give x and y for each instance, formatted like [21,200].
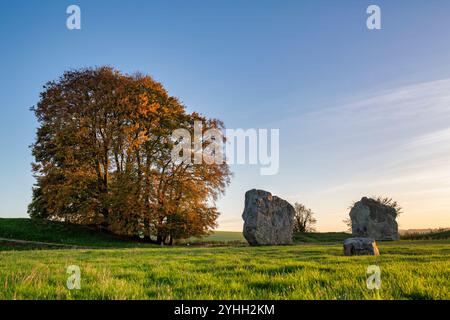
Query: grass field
[314,268]
[410,270]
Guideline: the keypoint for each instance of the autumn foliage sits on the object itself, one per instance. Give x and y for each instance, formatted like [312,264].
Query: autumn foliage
[103,157]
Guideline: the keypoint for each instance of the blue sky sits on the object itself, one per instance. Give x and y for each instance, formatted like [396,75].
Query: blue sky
[360,112]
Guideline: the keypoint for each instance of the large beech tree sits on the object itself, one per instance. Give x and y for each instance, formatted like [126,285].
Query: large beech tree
[103,157]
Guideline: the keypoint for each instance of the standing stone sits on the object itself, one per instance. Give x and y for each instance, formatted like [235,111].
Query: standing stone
[268,220]
[360,247]
[373,219]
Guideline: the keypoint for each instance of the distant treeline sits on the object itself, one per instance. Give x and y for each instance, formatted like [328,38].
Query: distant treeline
[438,234]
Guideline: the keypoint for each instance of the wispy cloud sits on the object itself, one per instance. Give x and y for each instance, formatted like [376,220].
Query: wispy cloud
[404,101]
[437,137]
[396,142]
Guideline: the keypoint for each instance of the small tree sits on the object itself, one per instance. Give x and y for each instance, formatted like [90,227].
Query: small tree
[387,201]
[348,223]
[304,220]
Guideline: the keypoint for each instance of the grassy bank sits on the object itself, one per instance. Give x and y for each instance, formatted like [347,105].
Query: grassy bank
[69,234]
[58,233]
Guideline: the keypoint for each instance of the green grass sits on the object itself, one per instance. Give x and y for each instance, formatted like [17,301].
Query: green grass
[315,237]
[217,238]
[314,268]
[225,236]
[238,237]
[410,270]
[69,234]
[59,233]
[64,233]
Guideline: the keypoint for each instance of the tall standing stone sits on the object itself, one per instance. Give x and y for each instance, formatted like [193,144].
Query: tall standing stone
[372,219]
[268,220]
